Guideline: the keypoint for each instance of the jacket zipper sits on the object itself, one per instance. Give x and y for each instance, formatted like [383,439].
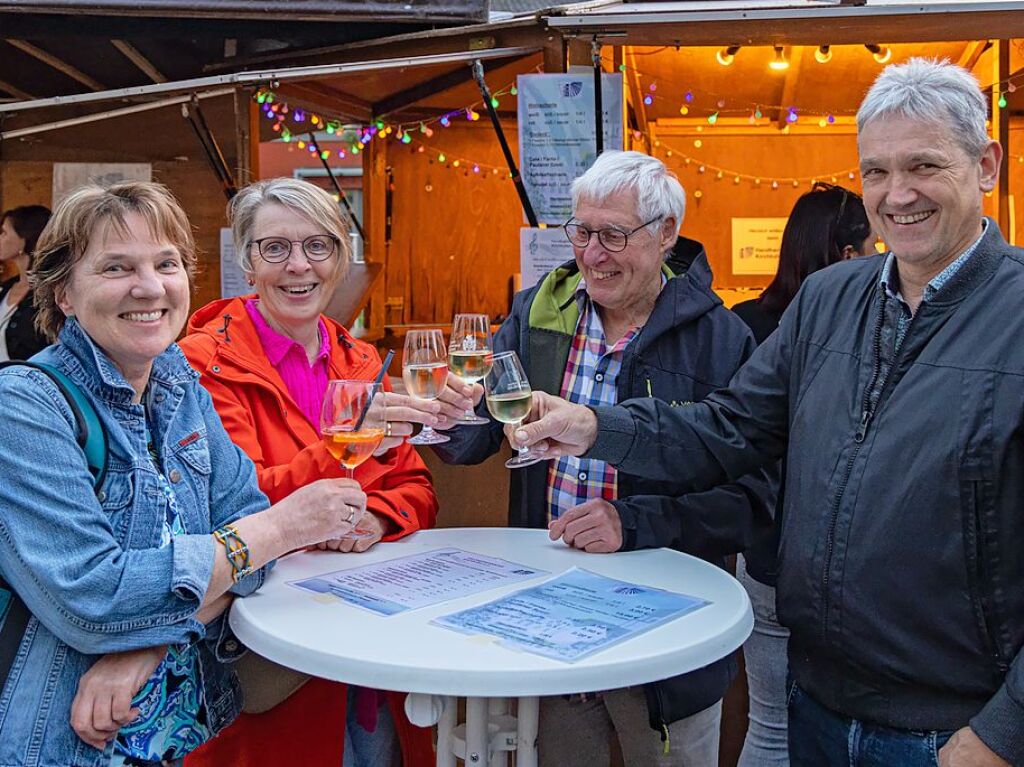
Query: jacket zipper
[988,621]
[867,414]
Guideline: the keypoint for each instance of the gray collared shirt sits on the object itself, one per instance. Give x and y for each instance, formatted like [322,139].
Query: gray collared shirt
[890,282]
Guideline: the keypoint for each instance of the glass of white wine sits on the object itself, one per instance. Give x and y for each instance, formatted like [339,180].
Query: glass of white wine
[425,372]
[353,420]
[469,354]
[509,397]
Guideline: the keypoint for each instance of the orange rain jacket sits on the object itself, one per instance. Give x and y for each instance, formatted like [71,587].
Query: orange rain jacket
[262,419]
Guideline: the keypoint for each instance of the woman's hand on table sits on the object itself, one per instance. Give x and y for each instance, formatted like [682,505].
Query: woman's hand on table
[103,703]
[402,412]
[319,511]
[456,398]
[370,523]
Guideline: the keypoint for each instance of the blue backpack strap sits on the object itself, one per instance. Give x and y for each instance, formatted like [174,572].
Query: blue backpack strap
[91,437]
[89,432]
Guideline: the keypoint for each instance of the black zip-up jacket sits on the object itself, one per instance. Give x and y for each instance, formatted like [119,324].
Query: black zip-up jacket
[901,564]
[689,346]
[23,340]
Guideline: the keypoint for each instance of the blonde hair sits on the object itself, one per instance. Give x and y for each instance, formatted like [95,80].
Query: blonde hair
[76,219]
[306,199]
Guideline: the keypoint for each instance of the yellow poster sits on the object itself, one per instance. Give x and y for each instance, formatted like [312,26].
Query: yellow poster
[755,245]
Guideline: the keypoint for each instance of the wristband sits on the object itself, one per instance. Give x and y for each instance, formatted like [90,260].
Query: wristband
[236,550]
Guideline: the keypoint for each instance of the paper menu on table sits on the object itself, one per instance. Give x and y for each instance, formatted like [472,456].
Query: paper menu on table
[573,615]
[418,580]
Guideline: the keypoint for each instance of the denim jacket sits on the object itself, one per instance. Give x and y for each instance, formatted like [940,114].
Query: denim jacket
[89,565]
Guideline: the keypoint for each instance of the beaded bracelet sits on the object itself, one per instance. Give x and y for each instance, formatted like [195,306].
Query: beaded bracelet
[236,550]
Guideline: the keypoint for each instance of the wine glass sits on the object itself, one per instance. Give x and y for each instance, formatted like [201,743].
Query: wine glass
[425,372]
[509,397]
[352,425]
[469,354]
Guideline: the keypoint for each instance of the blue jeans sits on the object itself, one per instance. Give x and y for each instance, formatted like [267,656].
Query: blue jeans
[819,737]
[764,654]
[369,749]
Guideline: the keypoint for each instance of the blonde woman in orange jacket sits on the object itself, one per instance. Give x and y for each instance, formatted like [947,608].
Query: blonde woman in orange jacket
[265,359]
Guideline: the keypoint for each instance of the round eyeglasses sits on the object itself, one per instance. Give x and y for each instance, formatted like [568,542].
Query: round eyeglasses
[614,240]
[275,250]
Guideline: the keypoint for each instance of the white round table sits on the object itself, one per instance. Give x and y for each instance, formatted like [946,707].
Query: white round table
[332,639]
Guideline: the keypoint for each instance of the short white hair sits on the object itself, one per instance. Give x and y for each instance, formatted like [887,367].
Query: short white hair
[659,195]
[933,91]
[306,199]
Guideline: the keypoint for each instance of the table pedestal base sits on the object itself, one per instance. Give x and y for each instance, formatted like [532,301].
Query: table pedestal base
[488,733]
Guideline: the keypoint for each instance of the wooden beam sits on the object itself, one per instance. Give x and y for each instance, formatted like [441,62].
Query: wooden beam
[18,93]
[1001,133]
[972,52]
[328,99]
[399,101]
[555,56]
[135,57]
[796,55]
[636,97]
[59,64]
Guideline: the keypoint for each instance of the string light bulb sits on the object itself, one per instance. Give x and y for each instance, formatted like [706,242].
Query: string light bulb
[780,63]
[823,54]
[880,53]
[726,56]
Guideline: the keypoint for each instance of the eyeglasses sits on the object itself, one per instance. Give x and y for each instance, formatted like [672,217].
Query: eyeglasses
[822,186]
[275,250]
[612,239]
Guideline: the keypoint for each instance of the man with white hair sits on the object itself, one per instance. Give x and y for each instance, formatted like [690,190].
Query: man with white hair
[895,388]
[616,323]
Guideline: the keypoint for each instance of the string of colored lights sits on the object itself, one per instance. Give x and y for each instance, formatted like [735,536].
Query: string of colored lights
[755,109]
[413,133]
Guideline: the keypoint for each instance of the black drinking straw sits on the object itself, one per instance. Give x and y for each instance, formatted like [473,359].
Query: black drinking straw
[380,377]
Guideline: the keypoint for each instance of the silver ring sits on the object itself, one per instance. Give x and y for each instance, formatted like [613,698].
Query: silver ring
[351,512]
[387,428]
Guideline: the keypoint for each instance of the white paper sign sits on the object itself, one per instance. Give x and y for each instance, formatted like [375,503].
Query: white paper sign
[68,176]
[418,580]
[540,251]
[556,135]
[232,278]
[755,245]
[573,615]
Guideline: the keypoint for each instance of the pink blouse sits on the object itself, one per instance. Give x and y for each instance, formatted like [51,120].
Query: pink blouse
[305,383]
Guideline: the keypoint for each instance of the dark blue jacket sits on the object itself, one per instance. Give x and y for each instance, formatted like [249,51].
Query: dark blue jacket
[689,347]
[901,564]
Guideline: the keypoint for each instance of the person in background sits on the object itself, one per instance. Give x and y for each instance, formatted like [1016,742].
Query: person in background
[614,323]
[827,225]
[125,654]
[266,358]
[19,230]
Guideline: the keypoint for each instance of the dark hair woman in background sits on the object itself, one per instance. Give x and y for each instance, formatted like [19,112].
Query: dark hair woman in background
[19,230]
[827,225]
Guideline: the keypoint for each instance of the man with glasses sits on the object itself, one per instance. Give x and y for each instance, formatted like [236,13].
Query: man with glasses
[615,323]
[894,386]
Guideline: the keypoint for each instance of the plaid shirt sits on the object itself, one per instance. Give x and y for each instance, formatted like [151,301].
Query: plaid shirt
[590,378]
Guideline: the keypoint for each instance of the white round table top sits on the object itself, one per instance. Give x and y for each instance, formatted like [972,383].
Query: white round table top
[405,652]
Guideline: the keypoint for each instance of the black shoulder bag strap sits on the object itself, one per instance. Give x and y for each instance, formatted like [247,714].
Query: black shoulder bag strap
[89,434]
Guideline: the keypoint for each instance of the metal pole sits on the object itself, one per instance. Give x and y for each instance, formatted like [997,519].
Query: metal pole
[231,189]
[109,114]
[337,187]
[225,185]
[524,198]
[595,52]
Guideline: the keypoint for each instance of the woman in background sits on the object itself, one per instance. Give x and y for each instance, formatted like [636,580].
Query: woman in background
[19,231]
[827,225]
[266,358]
